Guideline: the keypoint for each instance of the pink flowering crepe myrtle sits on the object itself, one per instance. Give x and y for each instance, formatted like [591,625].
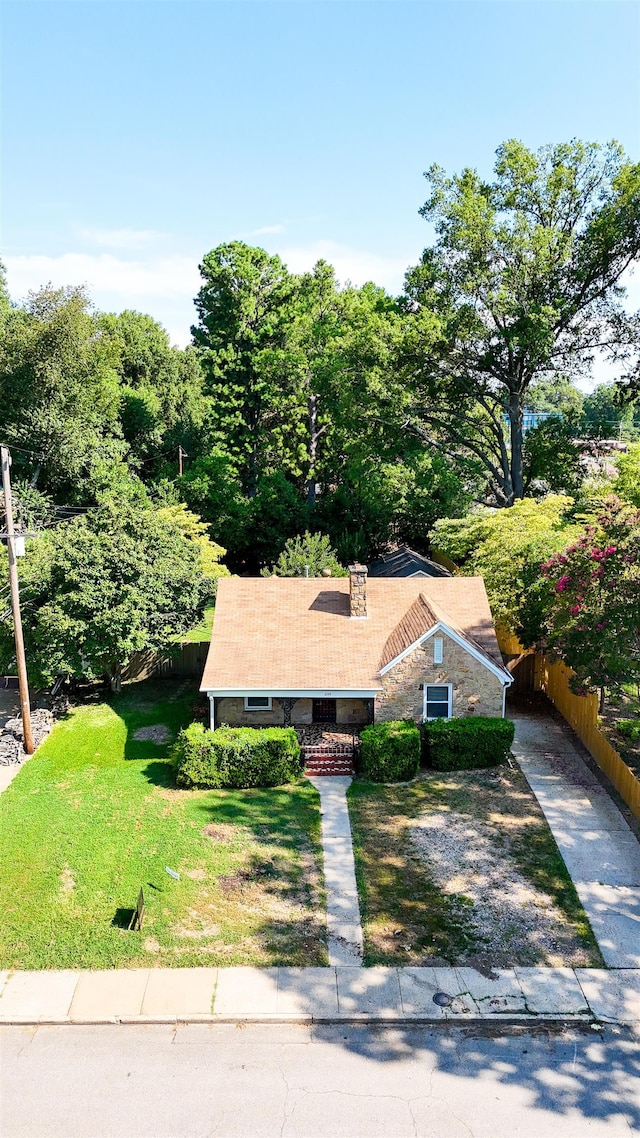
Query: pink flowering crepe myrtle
[593,618]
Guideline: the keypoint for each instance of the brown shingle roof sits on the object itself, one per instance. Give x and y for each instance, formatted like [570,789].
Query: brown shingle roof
[417,620]
[293,633]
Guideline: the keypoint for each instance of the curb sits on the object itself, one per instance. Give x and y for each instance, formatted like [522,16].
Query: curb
[561,1020]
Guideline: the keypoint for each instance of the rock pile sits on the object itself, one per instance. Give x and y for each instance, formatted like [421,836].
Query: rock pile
[11,748]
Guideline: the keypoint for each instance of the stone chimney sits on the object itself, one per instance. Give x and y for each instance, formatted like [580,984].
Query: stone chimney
[358,590]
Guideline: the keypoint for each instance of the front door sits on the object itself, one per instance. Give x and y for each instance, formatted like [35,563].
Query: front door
[324,711]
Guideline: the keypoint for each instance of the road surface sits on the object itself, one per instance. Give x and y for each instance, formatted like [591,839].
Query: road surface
[334,1081]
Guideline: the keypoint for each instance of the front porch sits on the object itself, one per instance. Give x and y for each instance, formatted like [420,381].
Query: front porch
[344,711]
[327,750]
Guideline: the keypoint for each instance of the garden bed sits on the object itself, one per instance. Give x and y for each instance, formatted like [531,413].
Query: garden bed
[462,868]
[625,707]
[94,816]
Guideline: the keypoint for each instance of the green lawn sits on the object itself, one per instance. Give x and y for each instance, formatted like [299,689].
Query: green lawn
[94,815]
[202,631]
[462,868]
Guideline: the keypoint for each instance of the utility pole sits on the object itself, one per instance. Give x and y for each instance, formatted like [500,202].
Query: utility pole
[180,461]
[15,605]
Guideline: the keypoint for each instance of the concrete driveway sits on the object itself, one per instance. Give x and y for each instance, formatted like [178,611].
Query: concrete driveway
[599,849]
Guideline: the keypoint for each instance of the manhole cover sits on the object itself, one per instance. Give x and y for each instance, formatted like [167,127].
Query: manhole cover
[442,999]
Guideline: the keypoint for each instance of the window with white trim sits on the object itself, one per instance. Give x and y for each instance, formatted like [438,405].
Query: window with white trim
[437,701]
[257,703]
[438,649]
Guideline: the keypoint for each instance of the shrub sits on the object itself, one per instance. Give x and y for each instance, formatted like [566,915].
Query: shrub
[629,728]
[390,752]
[236,756]
[465,744]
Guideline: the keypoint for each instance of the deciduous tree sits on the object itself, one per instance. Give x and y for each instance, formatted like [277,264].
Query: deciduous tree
[523,282]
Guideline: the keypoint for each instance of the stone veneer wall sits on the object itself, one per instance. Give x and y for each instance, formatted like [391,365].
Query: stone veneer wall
[230,710]
[476,691]
[358,591]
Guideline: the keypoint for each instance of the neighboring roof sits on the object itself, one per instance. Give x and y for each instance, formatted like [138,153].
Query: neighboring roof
[295,633]
[403,562]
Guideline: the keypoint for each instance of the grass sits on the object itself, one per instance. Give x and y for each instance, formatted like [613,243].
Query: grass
[94,815]
[410,918]
[202,631]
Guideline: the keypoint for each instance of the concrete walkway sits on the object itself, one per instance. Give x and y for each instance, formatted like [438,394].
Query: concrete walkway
[600,851]
[160,995]
[344,930]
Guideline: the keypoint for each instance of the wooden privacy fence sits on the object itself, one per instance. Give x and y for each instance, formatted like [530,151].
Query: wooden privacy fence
[581,712]
[188,662]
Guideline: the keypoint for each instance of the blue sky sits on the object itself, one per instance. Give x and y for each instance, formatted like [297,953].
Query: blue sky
[137,136]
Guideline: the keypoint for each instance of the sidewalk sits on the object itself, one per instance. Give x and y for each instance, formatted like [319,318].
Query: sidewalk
[345,941]
[343,994]
[598,848]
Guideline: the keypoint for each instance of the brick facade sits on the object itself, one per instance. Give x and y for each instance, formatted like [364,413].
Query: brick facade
[476,691]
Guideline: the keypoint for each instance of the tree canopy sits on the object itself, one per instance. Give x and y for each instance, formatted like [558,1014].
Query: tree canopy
[121,578]
[522,283]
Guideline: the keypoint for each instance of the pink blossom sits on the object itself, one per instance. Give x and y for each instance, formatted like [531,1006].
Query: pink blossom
[562,584]
[575,609]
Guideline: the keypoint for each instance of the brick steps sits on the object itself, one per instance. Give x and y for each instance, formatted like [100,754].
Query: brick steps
[329,772]
[326,759]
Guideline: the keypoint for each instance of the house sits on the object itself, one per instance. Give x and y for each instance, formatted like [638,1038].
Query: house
[293,650]
[405,562]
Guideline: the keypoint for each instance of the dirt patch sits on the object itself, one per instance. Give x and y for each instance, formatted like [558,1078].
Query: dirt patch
[222,832]
[462,868]
[510,917]
[158,733]
[67,881]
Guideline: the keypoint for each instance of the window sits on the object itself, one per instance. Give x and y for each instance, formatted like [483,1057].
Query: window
[438,649]
[257,703]
[437,701]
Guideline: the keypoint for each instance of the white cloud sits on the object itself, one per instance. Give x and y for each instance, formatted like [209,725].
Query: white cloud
[355,265]
[103,272]
[119,238]
[264,231]
[162,286]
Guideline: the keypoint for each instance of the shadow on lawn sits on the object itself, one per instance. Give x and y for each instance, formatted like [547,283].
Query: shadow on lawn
[160,773]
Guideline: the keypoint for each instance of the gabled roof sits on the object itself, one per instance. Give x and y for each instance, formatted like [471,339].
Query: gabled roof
[295,633]
[404,562]
[418,620]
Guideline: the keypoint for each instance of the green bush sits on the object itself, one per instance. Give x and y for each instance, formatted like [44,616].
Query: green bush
[390,752]
[465,744]
[629,728]
[236,756]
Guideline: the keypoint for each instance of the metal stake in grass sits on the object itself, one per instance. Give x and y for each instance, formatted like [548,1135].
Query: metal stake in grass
[172,873]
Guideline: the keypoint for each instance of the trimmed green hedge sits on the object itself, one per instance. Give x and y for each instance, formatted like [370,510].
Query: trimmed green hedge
[390,752]
[236,757]
[465,744]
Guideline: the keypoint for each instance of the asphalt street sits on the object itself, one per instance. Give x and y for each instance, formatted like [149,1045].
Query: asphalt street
[333,1081]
